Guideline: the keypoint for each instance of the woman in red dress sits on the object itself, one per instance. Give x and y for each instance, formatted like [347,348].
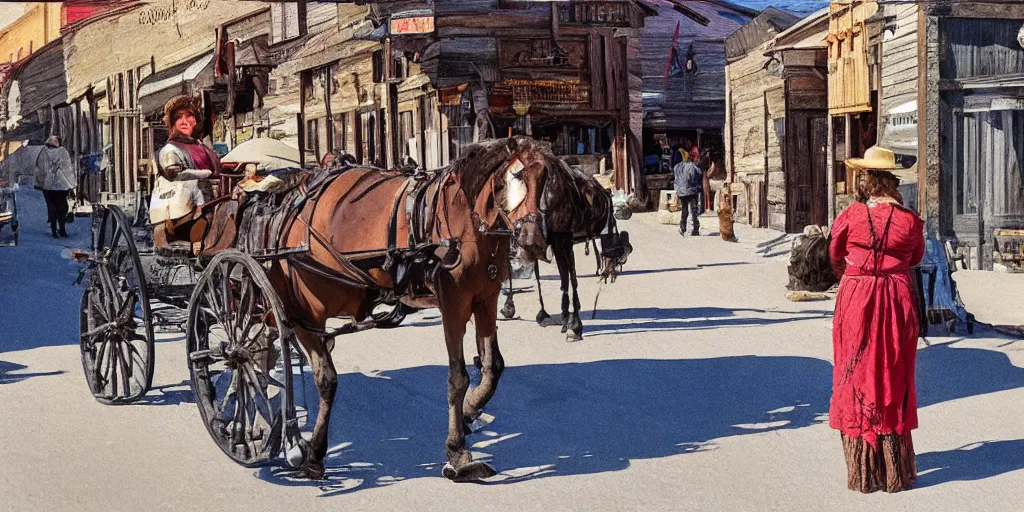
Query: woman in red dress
[875,245]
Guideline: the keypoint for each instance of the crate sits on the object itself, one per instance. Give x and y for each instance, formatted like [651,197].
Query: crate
[667,200]
[1009,250]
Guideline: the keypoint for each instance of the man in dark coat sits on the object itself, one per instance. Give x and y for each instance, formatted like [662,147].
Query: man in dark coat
[689,183]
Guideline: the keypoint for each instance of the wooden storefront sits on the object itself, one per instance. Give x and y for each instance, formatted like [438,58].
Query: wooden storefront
[119,94]
[981,65]
[756,120]
[803,57]
[564,73]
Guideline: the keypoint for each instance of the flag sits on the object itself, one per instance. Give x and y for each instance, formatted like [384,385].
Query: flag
[673,56]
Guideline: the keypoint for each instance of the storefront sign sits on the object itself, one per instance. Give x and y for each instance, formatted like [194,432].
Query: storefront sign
[414,25]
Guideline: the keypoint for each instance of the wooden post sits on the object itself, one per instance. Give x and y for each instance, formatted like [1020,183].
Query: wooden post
[830,178]
[730,123]
[302,137]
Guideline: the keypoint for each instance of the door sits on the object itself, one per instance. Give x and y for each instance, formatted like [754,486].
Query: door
[806,170]
[989,187]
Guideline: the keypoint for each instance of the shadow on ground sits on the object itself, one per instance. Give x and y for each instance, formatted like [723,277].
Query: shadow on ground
[11,373]
[566,419]
[586,418]
[976,461]
[685,319]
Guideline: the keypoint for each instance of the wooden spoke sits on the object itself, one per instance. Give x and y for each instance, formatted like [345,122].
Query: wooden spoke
[116,325]
[242,405]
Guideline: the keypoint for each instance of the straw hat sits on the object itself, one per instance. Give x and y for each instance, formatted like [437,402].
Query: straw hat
[876,157]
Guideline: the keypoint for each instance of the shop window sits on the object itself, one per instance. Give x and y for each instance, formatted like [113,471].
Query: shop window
[285,21]
[405,128]
[311,134]
[339,133]
[378,67]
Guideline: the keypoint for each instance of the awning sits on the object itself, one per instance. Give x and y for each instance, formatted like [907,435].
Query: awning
[267,153]
[259,52]
[26,129]
[156,89]
[332,46]
[900,134]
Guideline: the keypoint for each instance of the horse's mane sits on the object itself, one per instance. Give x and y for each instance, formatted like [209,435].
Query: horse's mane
[568,208]
[478,163]
[566,188]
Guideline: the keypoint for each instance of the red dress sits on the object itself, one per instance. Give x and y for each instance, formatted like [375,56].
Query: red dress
[874,337]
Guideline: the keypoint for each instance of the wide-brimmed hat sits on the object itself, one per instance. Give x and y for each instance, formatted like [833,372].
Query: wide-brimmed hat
[876,157]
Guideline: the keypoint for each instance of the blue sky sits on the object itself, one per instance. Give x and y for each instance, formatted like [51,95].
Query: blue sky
[793,6]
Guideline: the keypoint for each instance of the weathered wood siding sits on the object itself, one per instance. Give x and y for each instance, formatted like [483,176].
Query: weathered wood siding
[283,103]
[757,133]
[321,16]
[900,59]
[165,31]
[693,101]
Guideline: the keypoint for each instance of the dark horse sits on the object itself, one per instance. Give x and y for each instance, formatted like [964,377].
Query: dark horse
[440,241]
[577,209]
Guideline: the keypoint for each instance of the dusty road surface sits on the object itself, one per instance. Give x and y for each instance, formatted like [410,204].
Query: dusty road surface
[698,387]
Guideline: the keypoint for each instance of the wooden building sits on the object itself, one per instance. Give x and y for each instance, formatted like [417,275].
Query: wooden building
[446,73]
[755,119]
[33,90]
[684,60]
[259,58]
[117,91]
[944,90]
[801,58]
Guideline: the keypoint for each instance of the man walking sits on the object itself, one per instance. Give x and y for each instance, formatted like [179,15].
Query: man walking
[689,183]
[55,176]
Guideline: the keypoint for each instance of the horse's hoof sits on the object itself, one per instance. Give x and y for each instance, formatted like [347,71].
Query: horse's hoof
[565,327]
[470,472]
[573,337]
[508,310]
[542,316]
[313,471]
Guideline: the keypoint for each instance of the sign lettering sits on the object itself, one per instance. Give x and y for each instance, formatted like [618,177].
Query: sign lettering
[416,25]
[160,14]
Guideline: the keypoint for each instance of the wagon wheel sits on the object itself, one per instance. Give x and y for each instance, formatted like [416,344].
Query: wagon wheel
[115,322]
[239,359]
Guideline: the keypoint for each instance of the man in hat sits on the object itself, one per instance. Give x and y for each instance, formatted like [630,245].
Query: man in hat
[184,165]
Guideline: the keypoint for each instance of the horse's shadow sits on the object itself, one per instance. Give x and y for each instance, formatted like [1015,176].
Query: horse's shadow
[685,319]
[565,419]
[10,373]
[586,418]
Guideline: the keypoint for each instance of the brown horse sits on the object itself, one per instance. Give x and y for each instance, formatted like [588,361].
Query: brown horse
[443,241]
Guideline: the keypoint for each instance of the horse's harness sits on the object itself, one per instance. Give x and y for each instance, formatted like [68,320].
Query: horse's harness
[422,199]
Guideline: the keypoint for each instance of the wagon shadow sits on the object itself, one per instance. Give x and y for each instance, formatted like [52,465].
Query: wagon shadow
[9,373]
[169,394]
[564,419]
